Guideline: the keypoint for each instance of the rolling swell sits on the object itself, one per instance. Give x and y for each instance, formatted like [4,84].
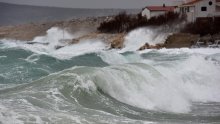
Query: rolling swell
[21,66]
[136,91]
[76,84]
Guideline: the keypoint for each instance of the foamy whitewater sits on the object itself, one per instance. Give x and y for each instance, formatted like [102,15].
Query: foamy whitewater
[48,80]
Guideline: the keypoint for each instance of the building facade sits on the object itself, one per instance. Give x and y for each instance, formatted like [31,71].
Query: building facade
[152,11]
[199,9]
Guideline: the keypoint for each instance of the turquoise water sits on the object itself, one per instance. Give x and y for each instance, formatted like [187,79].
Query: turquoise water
[86,83]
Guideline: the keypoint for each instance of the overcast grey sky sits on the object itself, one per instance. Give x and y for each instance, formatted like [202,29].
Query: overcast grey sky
[92,3]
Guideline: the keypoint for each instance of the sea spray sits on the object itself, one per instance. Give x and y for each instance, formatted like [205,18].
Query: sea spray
[51,44]
[85,83]
[139,37]
[191,82]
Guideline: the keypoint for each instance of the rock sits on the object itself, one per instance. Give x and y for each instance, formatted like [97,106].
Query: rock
[117,41]
[180,40]
[158,46]
[2,34]
[74,41]
[207,39]
[28,32]
[147,46]
[216,36]
[31,43]
[58,47]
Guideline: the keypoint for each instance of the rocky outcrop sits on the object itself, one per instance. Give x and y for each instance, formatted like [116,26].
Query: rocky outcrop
[147,46]
[116,41]
[28,32]
[180,40]
[177,40]
[216,36]
[24,32]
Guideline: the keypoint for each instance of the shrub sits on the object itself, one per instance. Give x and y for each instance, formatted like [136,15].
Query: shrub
[203,26]
[125,23]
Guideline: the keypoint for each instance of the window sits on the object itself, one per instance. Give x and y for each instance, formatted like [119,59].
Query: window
[187,9]
[203,8]
[210,3]
[182,10]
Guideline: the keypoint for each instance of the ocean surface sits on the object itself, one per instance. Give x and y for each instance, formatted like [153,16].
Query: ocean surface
[86,83]
[11,14]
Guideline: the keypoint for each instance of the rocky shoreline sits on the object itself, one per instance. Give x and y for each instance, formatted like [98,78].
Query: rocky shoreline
[28,32]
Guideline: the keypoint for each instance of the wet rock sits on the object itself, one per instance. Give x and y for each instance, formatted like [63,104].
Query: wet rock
[58,47]
[2,34]
[117,41]
[31,43]
[74,41]
[207,39]
[216,36]
[147,46]
[180,40]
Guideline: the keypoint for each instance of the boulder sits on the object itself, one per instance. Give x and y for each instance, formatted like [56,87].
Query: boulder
[117,41]
[156,46]
[180,40]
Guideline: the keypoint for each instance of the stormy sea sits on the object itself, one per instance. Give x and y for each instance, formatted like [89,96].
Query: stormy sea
[87,82]
[12,14]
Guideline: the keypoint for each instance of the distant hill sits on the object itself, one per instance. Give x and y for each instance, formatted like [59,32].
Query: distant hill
[12,14]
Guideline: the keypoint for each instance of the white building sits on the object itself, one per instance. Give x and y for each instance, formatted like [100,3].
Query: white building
[199,9]
[151,11]
[217,6]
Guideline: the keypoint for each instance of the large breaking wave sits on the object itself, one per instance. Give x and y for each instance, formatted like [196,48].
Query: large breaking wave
[85,83]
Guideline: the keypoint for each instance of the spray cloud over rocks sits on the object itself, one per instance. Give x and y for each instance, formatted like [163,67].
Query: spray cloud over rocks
[67,84]
[54,44]
[57,42]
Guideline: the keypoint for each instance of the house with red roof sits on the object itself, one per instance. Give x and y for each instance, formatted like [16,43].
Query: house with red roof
[151,11]
[200,9]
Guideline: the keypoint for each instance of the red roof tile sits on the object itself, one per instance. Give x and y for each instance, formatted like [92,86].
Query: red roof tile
[192,2]
[160,8]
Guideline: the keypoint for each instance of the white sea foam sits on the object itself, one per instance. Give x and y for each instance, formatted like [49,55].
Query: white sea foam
[165,88]
[137,38]
[32,58]
[160,87]
[204,51]
[52,44]
[8,116]
[84,47]
[146,85]
[112,57]
[3,57]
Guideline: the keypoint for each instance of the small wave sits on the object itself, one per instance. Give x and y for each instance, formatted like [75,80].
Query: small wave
[48,44]
[3,57]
